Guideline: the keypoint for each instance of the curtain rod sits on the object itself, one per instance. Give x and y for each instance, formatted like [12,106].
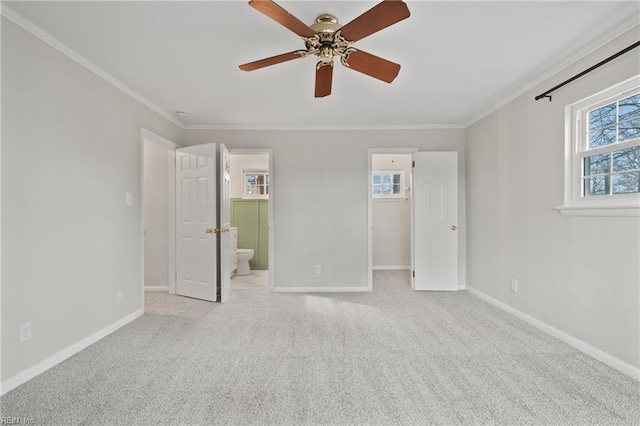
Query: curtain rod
[610,58]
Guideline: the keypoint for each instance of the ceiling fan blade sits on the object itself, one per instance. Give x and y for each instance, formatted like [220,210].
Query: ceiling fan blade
[271,61]
[280,15]
[375,19]
[324,76]
[373,66]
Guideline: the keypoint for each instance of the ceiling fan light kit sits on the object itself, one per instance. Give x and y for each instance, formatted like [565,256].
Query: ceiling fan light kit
[326,38]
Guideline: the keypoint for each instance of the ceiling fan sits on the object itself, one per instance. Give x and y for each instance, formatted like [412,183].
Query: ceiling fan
[326,38]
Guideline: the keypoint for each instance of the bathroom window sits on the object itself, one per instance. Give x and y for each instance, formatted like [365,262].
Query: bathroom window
[388,184]
[256,185]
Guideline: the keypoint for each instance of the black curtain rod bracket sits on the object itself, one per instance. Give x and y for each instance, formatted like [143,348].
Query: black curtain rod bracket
[599,64]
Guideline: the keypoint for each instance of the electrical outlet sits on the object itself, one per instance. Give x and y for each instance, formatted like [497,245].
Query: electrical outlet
[318,269]
[25,332]
[120,296]
[514,285]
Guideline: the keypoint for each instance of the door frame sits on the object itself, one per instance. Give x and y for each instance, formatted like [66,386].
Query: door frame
[269,152]
[370,153]
[145,135]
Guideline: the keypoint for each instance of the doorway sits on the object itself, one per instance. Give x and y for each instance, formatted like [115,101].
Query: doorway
[158,204]
[251,197]
[390,208]
[158,213]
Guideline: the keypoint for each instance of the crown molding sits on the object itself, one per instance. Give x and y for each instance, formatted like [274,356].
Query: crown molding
[329,127]
[32,28]
[571,58]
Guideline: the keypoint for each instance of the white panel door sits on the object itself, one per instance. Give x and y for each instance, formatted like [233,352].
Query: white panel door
[195,222]
[225,222]
[436,220]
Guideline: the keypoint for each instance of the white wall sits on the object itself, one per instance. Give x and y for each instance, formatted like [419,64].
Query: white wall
[392,217]
[156,213]
[515,177]
[245,162]
[70,151]
[319,197]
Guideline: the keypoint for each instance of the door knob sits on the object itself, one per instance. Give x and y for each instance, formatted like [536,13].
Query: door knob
[209,231]
[453,227]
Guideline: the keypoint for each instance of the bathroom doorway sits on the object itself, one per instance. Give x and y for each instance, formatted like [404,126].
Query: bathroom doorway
[251,219]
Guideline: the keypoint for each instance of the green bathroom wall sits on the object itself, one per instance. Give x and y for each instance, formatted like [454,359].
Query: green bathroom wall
[251,217]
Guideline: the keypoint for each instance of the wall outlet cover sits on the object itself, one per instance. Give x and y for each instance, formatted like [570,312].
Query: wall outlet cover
[25,332]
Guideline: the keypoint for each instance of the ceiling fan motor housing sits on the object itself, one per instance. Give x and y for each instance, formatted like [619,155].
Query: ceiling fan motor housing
[326,26]
[327,41]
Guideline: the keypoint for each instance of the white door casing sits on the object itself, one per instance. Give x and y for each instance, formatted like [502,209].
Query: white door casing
[435,180]
[224,203]
[195,222]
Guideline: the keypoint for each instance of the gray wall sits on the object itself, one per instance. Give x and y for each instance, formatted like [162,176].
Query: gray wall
[70,150]
[515,178]
[319,196]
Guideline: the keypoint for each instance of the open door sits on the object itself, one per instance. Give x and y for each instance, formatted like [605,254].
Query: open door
[195,222]
[435,177]
[224,202]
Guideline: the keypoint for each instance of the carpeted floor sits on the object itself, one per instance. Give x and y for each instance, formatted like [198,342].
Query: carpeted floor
[389,357]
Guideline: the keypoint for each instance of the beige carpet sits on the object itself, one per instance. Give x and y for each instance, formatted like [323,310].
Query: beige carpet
[391,357]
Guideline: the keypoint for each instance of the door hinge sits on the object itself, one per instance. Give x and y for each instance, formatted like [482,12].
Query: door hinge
[414,164]
[414,274]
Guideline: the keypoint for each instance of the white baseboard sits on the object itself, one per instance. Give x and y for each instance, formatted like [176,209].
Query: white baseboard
[41,367]
[392,268]
[319,289]
[157,288]
[596,353]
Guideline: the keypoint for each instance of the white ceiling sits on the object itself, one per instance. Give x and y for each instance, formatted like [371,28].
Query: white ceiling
[459,59]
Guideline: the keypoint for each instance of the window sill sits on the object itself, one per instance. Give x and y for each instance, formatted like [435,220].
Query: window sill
[601,211]
[390,198]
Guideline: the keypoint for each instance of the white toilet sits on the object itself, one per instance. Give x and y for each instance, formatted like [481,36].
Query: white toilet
[244,256]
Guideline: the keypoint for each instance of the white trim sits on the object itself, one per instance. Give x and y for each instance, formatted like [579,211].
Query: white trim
[320,289]
[157,288]
[392,268]
[608,211]
[30,27]
[596,353]
[171,220]
[327,127]
[1,198]
[571,59]
[157,138]
[58,357]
